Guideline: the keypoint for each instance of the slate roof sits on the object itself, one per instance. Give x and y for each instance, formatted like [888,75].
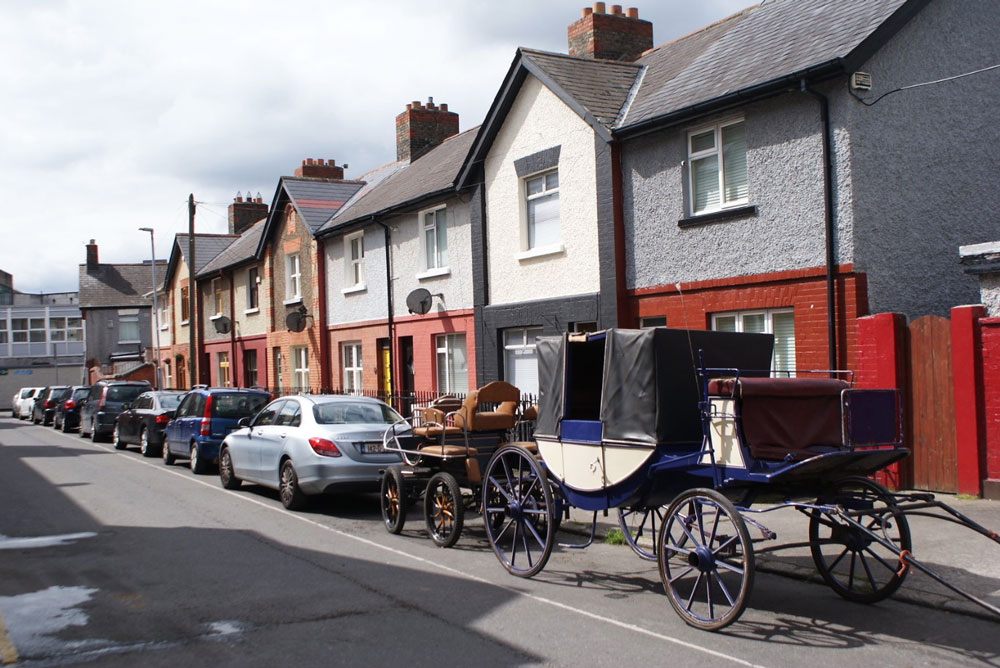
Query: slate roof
[238,252]
[764,43]
[316,200]
[117,285]
[433,172]
[206,248]
[600,86]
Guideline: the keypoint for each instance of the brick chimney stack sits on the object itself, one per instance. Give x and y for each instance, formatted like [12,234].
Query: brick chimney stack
[92,255]
[422,127]
[244,213]
[614,36]
[320,169]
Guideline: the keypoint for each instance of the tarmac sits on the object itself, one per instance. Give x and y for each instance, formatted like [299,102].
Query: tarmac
[961,556]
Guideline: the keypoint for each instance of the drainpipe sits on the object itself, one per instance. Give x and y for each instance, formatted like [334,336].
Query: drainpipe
[325,361]
[232,335]
[389,305]
[831,320]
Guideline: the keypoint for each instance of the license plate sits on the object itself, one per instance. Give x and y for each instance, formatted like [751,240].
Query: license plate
[372,447]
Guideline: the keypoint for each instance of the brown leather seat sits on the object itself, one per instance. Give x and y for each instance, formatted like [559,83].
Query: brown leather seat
[505,396]
[448,450]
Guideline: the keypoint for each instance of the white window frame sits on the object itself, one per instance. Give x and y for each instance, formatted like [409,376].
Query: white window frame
[253,291]
[532,250]
[300,367]
[293,278]
[129,316]
[768,315]
[354,267]
[431,233]
[164,315]
[168,378]
[352,367]
[449,378]
[512,343]
[717,151]
[217,297]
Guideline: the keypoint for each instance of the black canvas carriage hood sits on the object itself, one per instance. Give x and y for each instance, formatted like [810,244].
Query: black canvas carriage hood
[645,387]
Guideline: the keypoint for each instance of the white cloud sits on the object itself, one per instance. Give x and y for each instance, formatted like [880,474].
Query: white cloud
[115,110]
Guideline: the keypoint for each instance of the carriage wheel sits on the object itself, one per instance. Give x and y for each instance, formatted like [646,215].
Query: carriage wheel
[393,500]
[518,511]
[856,566]
[639,523]
[443,509]
[706,559]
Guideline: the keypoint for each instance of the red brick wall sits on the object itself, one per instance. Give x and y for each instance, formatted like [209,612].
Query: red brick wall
[368,334]
[424,329]
[804,290]
[990,332]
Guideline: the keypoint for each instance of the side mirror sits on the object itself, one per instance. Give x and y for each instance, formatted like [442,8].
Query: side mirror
[170,414]
[126,406]
[243,422]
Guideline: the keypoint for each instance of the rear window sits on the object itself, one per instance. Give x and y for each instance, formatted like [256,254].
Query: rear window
[236,405]
[81,393]
[123,393]
[59,395]
[350,412]
[170,401]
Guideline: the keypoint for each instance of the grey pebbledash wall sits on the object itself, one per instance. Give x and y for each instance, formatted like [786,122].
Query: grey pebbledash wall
[926,160]
[915,175]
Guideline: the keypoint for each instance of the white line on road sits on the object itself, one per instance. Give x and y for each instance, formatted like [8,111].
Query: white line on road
[437,565]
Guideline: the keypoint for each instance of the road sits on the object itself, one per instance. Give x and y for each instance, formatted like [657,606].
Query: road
[136,562]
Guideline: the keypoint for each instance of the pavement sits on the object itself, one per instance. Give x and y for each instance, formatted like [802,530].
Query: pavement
[963,557]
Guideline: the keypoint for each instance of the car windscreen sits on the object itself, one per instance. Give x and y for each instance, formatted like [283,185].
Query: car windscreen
[123,393]
[354,412]
[236,405]
[170,401]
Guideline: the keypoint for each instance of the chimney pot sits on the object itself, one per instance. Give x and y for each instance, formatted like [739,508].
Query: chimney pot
[616,10]
[599,8]
[444,107]
[632,12]
[587,11]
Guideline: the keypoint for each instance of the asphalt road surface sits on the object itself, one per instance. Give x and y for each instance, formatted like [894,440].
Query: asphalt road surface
[131,562]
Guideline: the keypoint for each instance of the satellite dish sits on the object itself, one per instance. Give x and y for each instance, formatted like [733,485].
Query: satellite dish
[223,325]
[295,321]
[419,301]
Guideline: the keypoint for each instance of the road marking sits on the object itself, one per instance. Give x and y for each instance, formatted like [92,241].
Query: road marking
[435,565]
[8,653]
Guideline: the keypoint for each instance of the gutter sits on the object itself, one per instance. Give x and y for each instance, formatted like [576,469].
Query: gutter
[831,319]
[402,207]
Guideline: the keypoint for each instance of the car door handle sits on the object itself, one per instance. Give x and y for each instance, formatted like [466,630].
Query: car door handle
[283,435]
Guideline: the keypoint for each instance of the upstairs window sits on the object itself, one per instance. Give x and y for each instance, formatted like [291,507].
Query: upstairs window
[128,326]
[19,330]
[293,278]
[434,239]
[37,333]
[252,294]
[354,257]
[541,193]
[217,295]
[185,306]
[3,331]
[717,163]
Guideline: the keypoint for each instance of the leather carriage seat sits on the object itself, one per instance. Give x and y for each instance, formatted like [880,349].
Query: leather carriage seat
[786,418]
[499,393]
[433,418]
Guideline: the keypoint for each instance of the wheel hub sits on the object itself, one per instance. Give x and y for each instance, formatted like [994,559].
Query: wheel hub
[702,559]
[515,511]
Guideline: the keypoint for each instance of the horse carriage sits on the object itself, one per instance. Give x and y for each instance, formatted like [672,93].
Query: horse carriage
[445,447]
[683,432]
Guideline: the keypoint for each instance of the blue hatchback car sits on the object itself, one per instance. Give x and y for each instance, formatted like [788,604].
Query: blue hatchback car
[203,418]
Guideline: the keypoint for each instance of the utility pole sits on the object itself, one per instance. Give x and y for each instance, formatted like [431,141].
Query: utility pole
[192,286]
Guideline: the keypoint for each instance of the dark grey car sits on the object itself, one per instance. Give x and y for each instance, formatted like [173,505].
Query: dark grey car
[101,408]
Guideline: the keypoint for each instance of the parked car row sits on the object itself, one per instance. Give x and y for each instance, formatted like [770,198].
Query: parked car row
[298,445]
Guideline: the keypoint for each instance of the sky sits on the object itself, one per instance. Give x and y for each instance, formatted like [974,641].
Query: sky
[114,111]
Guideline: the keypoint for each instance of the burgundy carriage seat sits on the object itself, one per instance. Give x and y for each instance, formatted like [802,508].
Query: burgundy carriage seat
[786,418]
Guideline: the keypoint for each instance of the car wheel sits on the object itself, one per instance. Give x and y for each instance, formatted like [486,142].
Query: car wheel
[198,463]
[144,446]
[119,443]
[289,490]
[64,426]
[93,432]
[226,473]
[168,457]
[83,432]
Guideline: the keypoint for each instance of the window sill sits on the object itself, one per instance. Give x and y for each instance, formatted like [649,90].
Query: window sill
[723,215]
[541,251]
[184,323]
[293,300]
[360,287]
[434,273]
[128,343]
[215,317]
[251,311]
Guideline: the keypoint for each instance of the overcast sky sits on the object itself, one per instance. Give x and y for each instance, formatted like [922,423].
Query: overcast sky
[114,111]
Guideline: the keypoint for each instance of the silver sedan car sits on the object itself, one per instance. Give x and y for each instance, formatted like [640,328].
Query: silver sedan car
[310,444]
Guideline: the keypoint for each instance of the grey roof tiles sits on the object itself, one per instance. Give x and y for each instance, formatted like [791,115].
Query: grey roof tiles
[238,252]
[117,285]
[206,247]
[318,200]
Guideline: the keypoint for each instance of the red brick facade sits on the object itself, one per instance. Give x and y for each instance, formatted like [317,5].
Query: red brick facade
[804,290]
[614,36]
[424,331]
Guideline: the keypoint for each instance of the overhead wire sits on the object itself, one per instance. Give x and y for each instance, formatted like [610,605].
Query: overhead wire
[920,85]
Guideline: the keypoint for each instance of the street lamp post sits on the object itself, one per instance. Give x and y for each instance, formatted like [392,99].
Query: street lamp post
[156,312]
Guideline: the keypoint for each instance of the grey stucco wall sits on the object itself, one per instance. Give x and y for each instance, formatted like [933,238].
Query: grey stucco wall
[926,160]
[371,303]
[102,333]
[989,288]
[785,173]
